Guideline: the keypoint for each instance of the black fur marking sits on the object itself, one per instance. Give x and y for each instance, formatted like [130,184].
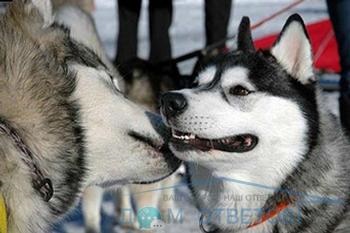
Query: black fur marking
[315,170]
[61,27]
[70,185]
[78,52]
[83,55]
[214,82]
[224,96]
[268,76]
[275,229]
[293,18]
[332,225]
[75,173]
[244,40]
[219,64]
[309,214]
[190,184]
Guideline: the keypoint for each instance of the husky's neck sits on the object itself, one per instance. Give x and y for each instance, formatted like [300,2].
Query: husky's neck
[229,200]
[240,189]
[234,197]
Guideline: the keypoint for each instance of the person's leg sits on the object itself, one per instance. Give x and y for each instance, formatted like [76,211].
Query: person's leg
[160,17]
[128,14]
[217,16]
[339,12]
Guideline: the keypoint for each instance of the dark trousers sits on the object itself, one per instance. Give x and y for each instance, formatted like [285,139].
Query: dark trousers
[339,11]
[160,17]
[217,16]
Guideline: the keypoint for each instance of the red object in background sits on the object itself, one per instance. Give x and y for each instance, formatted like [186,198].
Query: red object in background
[323,42]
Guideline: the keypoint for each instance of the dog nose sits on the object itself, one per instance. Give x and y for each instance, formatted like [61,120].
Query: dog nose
[173,104]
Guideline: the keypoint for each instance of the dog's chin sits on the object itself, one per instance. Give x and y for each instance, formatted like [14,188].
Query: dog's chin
[233,144]
[160,170]
[165,163]
[175,165]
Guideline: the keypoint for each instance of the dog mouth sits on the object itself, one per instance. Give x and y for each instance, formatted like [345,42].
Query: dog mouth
[238,143]
[161,148]
[156,145]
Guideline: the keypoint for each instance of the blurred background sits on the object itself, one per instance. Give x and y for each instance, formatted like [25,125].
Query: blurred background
[187,31]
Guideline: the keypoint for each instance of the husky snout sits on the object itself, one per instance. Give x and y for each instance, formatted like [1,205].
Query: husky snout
[173,104]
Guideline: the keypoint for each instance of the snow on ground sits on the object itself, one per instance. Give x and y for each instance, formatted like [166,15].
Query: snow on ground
[187,34]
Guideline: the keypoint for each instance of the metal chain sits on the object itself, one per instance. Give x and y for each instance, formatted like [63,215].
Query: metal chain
[40,183]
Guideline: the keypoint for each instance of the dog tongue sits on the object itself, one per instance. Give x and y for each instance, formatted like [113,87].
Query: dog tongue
[201,144]
[241,143]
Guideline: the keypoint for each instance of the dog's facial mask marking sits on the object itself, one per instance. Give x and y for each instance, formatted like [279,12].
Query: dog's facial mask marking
[232,89]
[265,94]
[242,94]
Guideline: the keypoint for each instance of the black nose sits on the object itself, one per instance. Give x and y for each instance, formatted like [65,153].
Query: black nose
[173,104]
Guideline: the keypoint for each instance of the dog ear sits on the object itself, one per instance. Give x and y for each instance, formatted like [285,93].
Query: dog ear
[33,18]
[34,12]
[45,9]
[244,40]
[293,50]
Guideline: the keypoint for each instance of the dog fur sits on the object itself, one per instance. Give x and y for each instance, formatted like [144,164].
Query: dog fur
[60,97]
[140,90]
[292,150]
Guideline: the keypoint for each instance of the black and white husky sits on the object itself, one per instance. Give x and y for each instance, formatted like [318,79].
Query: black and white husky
[64,125]
[263,154]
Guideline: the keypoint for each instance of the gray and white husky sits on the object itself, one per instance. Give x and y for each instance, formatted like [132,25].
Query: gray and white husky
[263,155]
[63,124]
[129,197]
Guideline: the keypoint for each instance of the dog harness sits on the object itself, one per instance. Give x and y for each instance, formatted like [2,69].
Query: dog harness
[40,183]
[280,206]
[3,215]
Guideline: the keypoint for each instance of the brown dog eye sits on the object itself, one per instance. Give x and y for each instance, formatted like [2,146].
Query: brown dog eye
[239,90]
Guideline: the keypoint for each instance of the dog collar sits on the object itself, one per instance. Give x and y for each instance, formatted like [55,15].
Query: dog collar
[42,184]
[280,206]
[3,215]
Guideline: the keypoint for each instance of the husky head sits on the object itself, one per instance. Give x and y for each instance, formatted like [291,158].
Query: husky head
[60,98]
[122,141]
[252,112]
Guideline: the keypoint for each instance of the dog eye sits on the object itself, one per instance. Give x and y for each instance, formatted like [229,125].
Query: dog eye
[239,90]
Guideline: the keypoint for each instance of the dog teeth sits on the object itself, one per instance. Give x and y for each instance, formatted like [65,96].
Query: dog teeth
[178,137]
[183,136]
[225,141]
[192,136]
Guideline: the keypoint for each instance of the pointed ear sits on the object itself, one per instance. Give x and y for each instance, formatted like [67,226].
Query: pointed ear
[45,9]
[293,50]
[244,40]
[34,13]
